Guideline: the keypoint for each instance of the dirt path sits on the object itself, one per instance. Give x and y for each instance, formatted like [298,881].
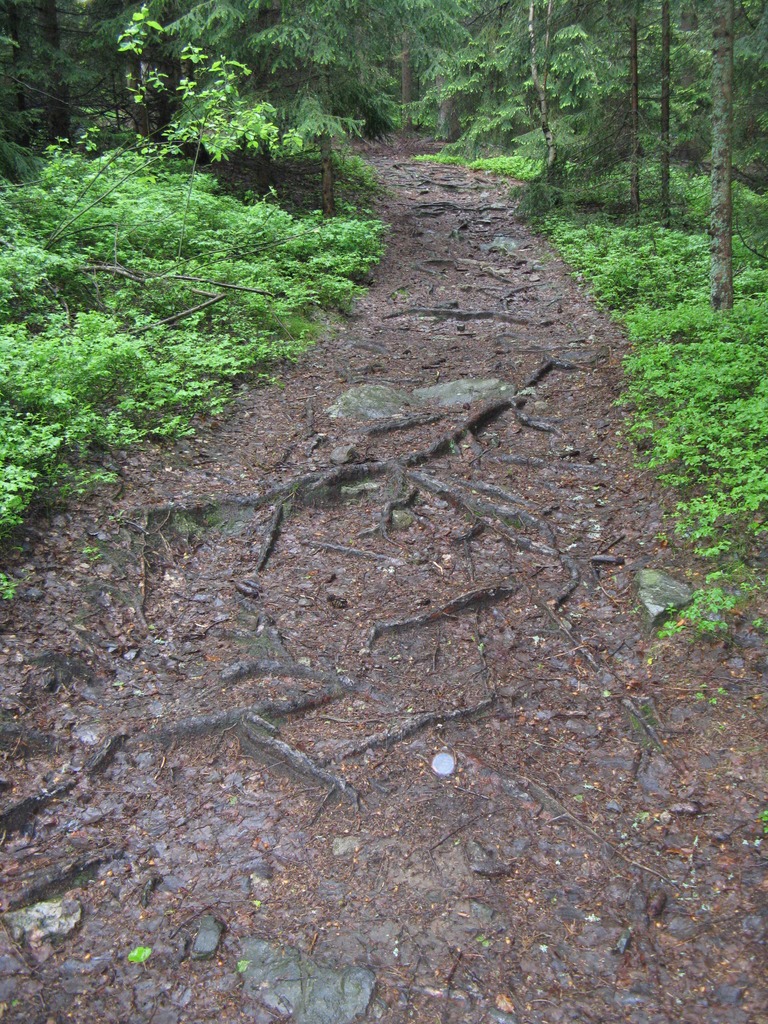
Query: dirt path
[448,579]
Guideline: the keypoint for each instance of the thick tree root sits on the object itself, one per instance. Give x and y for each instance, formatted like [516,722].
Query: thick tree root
[472,599]
[59,878]
[471,424]
[455,493]
[394,423]
[256,743]
[388,737]
[342,549]
[18,815]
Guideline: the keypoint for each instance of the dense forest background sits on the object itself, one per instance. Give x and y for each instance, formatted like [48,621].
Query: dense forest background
[134,288]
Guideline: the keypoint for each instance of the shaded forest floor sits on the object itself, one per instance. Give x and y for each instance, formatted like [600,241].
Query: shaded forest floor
[224,685]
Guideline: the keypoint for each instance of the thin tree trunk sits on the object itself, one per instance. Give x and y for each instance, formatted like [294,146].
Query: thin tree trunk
[721,214]
[540,82]
[406,96]
[666,216]
[326,153]
[634,94]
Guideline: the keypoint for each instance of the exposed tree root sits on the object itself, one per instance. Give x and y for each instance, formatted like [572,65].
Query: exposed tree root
[466,315]
[18,815]
[59,878]
[455,493]
[394,423]
[342,549]
[270,537]
[388,737]
[472,423]
[472,599]
[546,368]
[255,742]
[528,421]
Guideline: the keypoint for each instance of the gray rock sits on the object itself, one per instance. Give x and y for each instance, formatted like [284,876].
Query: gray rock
[502,243]
[343,846]
[461,392]
[209,932]
[660,593]
[52,919]
[343,454]
[289,982]
[370,402]
[402,519]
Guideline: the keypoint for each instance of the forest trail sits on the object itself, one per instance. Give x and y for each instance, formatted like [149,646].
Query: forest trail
[225,687]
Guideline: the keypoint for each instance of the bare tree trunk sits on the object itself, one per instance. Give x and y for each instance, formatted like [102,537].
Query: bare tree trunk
[540,81]
[666,216]
[634,95]
[406,95]
[326,153]
[57,100]
[721,214]
[448,126]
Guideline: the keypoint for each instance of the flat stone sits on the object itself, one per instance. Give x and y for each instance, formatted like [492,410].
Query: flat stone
[292,984]
[660,593]
[209,932]
[52,919]
[370,402]
[464,391]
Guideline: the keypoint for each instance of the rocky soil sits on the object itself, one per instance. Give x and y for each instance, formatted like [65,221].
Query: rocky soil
[225,685]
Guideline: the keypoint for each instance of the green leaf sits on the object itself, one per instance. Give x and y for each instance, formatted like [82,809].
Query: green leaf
[140,954]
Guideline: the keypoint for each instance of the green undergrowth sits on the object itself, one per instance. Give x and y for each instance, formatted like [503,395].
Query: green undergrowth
[521,168]
[697,380]
[102,265]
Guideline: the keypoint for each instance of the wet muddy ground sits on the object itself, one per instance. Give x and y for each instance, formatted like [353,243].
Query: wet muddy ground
[224,685]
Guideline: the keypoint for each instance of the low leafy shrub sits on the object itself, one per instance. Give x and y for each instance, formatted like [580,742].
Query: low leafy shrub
[697,378]
[132,294]
[522,168]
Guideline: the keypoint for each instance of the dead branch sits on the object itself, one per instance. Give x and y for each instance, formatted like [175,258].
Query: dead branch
[270,537]
[388,737]
[472,599]
[256,743]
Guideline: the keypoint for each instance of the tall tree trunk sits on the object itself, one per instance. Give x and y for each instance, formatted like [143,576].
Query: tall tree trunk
[326,153]
[666,216]
[57,100]
[721,214]
[540,82]
[634,103]
[406,95]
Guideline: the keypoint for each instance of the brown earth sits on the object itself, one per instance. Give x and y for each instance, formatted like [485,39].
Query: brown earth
[596,854]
